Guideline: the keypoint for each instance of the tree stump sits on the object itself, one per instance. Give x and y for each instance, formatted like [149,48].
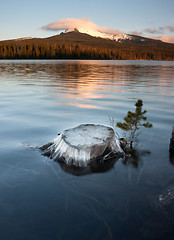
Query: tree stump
[80,145]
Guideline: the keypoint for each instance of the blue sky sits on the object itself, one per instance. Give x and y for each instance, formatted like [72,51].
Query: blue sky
[151,18]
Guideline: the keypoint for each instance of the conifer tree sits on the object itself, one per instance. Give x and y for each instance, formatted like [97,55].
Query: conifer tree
[133,121]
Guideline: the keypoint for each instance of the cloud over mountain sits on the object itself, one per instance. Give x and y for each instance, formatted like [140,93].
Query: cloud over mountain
[160,30]
[82,24]
[160,33]
[164,38]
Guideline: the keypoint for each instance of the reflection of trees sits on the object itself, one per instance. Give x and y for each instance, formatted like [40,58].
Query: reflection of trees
[83,80]
[135,157]
[72,73]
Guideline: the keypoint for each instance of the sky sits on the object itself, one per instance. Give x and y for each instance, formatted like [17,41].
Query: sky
[150,18]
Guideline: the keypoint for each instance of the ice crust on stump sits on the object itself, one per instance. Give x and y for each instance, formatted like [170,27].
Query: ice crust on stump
[80,145]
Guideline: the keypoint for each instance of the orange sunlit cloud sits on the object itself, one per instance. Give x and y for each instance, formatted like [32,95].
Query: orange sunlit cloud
[164,38]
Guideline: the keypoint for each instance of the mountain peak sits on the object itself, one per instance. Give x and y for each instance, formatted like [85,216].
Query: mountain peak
[120,37]
[115,38]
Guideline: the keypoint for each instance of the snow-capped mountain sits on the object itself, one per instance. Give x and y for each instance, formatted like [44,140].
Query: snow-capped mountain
[116,37]
[86,26]
[95,33]
[122,37]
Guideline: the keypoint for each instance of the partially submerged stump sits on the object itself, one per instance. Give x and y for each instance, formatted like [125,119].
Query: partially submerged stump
[80,145]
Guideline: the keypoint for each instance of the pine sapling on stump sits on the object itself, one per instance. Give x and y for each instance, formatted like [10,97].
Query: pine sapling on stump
[133,121]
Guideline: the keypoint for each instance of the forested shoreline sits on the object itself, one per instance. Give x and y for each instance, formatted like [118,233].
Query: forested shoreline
[69,49]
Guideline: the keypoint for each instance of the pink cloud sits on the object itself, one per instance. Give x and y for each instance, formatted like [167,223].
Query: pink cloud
[170,28]
[69,24]
[109,30]
[159,30]
[136,33]
[152,31]
[167,38]
[164,38]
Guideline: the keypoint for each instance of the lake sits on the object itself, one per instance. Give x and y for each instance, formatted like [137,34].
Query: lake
[42,199]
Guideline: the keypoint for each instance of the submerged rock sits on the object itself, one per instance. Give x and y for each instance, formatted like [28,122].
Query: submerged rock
[167,197]
[171,146]
[164,200]
[81,145]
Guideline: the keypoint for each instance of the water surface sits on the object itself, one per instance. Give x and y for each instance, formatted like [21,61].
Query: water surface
[41,199]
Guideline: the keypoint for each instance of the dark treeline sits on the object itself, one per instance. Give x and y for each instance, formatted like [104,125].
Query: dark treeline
[39,49]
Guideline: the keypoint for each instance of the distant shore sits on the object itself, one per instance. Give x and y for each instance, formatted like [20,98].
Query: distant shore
[82,46]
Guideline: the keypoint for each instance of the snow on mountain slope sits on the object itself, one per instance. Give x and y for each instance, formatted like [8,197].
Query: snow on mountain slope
[95,33]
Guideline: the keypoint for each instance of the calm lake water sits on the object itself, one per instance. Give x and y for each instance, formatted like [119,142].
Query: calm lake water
[42,200]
